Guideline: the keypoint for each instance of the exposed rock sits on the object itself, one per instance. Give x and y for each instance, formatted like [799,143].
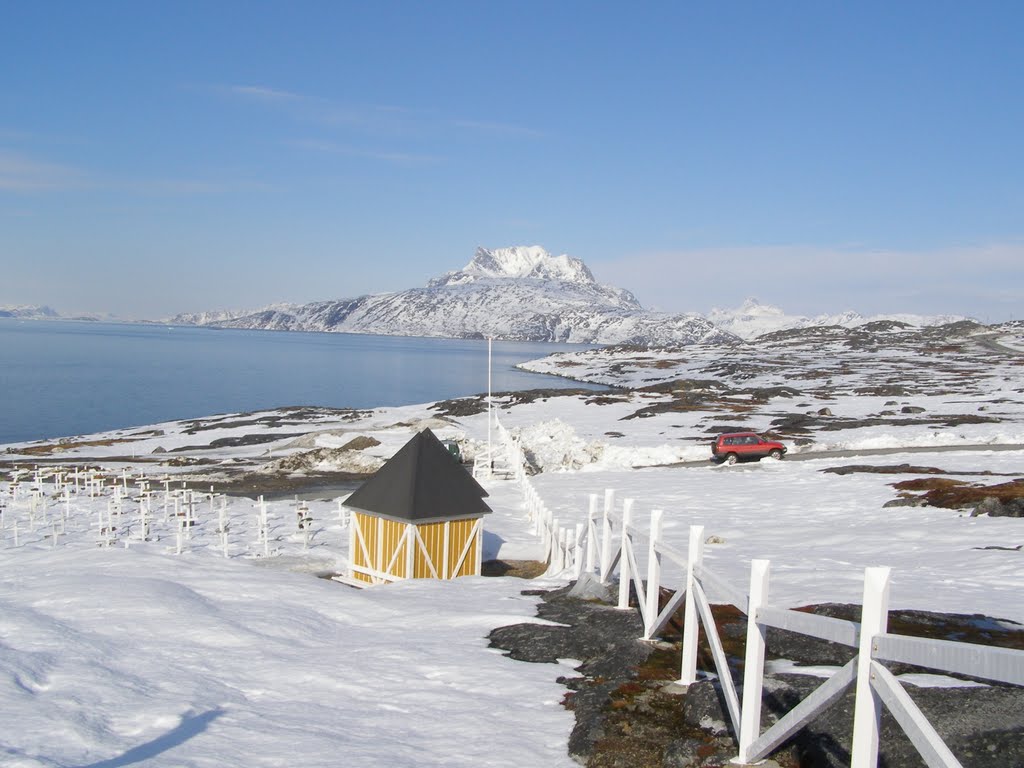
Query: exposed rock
[703,707]
[360,443]
[994,507]
[958,494]
[519,569]
[911,409]
[897,469]
[796,422]
[237,441]
[883,390]
[627,717]
[606,638]
[461,406]
[906,501]
[343,459]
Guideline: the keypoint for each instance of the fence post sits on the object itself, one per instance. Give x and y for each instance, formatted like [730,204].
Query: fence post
[553,545]
[606,534]
[577,556]
[542,530]
[688,671]
[626,540]
[591,533]
[653,575]
[867,711]
[753,665]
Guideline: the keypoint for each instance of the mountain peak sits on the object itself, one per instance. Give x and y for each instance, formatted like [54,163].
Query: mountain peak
[524,265]
[751,307]
[528,261]
[519,262]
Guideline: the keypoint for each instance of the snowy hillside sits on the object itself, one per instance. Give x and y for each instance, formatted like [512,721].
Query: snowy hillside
[519,293]
[753,319]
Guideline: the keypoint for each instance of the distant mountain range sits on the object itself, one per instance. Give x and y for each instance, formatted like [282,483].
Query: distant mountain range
[753,319]
[43,312]
[29,312]
[521,293]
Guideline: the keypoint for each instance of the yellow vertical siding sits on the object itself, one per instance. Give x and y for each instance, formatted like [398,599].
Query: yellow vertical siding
[388,536]
[385,534]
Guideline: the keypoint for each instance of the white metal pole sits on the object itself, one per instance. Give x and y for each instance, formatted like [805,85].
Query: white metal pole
[490,454]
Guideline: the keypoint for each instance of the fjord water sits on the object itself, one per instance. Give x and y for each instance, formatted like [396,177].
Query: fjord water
[61,378]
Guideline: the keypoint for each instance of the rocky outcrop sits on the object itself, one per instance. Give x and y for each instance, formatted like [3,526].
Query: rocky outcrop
[629,713]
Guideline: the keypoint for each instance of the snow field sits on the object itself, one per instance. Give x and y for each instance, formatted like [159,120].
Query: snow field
[820,531]
[108,656]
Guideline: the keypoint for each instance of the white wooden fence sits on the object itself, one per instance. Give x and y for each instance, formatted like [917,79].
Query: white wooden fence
[607,547]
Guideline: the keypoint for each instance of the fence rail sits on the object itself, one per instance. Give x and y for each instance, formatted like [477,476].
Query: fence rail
[608,540]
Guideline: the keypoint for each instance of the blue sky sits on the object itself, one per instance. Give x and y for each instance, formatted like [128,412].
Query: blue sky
[821,156]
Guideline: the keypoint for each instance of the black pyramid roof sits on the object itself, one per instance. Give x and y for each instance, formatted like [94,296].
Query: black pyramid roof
[421,483]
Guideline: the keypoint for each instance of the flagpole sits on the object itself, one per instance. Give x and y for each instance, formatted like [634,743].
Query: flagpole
[490,455]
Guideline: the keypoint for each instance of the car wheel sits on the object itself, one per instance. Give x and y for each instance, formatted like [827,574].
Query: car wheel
[731,458]
[776,454]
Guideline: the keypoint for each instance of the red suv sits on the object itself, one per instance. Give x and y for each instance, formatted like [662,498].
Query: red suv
[736,446]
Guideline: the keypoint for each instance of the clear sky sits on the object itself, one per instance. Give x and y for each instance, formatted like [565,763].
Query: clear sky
[158,157]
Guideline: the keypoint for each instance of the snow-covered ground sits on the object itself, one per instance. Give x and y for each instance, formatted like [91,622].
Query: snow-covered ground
[117,651]
[824,389]
[112,657]
[177,651]
[820,530]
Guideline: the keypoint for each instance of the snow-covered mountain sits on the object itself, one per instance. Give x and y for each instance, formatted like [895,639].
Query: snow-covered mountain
[519,293]
[753,319]
[222,317]
[28,312]
[44,312]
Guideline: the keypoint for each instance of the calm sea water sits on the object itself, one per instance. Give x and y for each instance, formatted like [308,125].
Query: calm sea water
[62,378]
